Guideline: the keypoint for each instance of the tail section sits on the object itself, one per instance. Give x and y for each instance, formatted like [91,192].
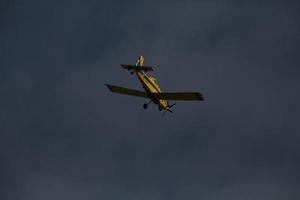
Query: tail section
[140,61]
[139,66]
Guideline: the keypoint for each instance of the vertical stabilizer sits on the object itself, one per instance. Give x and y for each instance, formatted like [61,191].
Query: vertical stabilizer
[140,61]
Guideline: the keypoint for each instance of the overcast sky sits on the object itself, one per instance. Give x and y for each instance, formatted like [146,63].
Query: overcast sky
[63,135]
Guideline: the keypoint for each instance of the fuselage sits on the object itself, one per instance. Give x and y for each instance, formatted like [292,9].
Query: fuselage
[150,85]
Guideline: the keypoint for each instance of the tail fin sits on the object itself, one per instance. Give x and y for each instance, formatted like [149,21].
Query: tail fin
[139,66]
[140,61]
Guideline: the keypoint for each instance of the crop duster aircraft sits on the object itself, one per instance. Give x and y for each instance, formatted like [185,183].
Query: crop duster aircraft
[151,88]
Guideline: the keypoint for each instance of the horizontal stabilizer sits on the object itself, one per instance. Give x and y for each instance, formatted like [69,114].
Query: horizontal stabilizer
[128,67]
[126,91]
[138,68]
[180,96]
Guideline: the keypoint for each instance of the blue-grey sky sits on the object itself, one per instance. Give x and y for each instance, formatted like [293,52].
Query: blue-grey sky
[64,136]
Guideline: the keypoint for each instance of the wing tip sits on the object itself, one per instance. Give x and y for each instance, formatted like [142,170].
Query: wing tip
[109,87]
[201,97]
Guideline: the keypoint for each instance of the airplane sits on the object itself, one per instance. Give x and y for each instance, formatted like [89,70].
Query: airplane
[151,88]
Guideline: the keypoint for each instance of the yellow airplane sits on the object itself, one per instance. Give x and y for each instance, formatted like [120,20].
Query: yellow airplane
[151,88]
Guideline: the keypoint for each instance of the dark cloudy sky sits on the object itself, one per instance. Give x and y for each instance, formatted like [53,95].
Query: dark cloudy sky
[64,136]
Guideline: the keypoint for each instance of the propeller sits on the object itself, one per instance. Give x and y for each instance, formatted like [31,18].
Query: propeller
[168,110]
[172,105]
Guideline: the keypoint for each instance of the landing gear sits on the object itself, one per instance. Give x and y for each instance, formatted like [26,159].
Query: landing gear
[145,106]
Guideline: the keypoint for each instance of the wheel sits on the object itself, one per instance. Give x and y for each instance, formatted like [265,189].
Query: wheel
[145,106]
[159,108]
[131,72]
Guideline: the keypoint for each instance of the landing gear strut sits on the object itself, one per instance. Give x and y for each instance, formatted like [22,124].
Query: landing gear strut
[145,106]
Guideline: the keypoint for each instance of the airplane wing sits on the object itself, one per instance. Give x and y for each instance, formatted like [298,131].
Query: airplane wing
[126,91]
[143,68]
[180,96]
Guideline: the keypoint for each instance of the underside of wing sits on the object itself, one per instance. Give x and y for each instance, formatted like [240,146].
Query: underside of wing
[180,96]
[126,91]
